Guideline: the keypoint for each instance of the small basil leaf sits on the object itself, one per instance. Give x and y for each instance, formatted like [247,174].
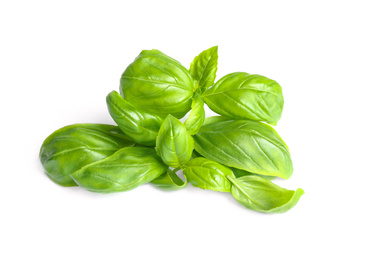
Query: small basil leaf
[204,68]
[262,195]
[246,145]
[206,174]
[157,83]
[124,170]
[244,96]
[240,173]
[142,127]
[169,181]
[72,147]
[174,143]
[196,116]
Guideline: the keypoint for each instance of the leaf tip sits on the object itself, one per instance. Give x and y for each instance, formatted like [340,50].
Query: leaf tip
[170,118]
[300,191]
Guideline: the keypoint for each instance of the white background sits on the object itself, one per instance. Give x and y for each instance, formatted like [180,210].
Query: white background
[59,60]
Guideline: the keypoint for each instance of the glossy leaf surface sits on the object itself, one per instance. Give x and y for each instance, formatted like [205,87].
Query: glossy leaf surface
[157,83]
[140,126]
[204,68]
[207,174]
[196,116]
[245,96]
[72,147]
[124,170]
[259,194]
[169,181]
[246,145]
[174,143]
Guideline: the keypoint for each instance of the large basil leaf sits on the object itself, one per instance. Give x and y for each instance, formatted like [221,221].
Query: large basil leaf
[142,127]
[244,96]
[74,146]
[204,68]
[237,172]
[196,116]
[158,84]
[247,145]
[206,174]
[240,173]
[124,170]
[169,181]
[259,194]
[174,143]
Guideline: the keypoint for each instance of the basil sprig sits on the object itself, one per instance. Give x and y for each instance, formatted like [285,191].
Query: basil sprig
[237,152]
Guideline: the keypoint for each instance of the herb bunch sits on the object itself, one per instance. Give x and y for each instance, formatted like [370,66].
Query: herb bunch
[237,152]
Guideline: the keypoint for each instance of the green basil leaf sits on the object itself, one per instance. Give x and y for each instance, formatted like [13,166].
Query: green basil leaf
[240,173]
[174,143]
[169,181]
[204,68]
[142,127]
[72,147]
[126,169]
[246,145]
[157,83]
[206,174]
[196,116]
[261,195]
[244,96]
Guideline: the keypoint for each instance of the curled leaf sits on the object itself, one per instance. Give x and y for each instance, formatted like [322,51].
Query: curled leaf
[169,181]
[259,194]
